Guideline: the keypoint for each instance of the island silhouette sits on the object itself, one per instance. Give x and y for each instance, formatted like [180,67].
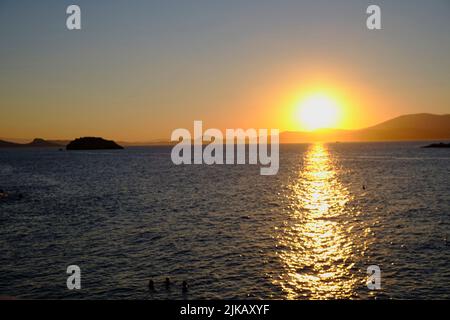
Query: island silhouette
[92,143]
[438,145]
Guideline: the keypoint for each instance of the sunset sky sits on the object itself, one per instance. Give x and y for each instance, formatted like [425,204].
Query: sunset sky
[139,69]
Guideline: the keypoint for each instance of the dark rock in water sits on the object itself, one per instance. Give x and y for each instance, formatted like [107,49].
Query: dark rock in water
[438,145]
[92,143]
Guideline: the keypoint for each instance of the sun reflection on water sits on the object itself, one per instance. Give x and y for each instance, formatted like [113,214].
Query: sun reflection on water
[317,246]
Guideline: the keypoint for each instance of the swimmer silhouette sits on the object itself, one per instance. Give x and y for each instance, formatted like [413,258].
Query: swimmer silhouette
[151,285]
[167,283]
[185,287]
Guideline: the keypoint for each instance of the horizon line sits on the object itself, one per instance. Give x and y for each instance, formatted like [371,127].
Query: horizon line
[156,140]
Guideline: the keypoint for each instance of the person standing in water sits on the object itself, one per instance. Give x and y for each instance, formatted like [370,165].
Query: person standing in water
[167,283]
[151,285]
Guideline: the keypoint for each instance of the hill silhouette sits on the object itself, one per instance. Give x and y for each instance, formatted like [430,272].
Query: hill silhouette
[420,126]
[36,143]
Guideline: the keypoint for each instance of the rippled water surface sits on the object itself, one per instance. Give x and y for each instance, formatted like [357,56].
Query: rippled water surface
[309,232]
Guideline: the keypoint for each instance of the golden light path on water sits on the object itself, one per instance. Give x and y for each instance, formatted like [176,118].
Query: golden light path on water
[318,245]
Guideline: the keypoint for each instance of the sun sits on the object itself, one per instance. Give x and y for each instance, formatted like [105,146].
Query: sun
[318,111]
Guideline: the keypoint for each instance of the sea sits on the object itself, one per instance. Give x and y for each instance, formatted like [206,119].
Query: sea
[333,213]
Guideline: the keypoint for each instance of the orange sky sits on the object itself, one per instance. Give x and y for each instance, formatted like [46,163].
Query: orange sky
[137,73]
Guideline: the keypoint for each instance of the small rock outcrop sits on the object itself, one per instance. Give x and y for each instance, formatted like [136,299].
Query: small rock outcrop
[438,145]
[92,143]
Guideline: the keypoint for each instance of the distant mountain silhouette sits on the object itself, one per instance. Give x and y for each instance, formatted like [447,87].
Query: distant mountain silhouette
[36,143]
[6,144]
[421,126]
[92,143]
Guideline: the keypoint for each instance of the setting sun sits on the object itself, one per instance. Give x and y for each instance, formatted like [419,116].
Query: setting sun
[318,111]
